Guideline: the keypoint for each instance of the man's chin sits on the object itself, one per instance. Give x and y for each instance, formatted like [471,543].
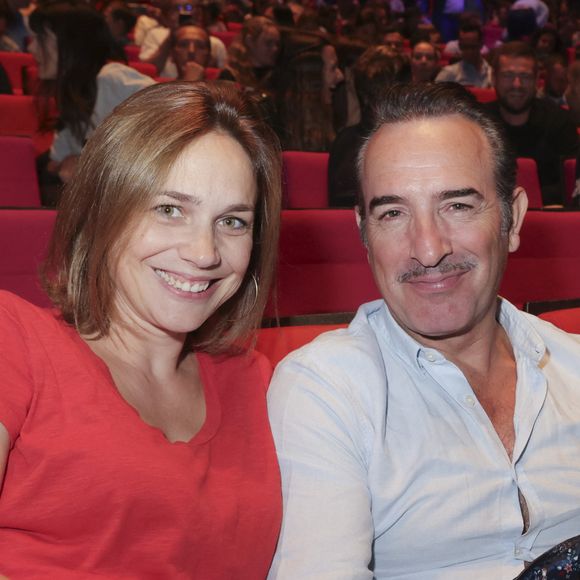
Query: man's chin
[516,109]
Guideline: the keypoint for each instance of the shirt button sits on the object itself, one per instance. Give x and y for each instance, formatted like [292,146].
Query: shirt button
[470,401]
[518,552]
[430,357]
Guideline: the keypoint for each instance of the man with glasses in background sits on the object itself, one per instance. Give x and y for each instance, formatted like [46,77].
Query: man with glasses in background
[537,128]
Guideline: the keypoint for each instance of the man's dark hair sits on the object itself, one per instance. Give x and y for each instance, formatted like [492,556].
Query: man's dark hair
[514,49]
[472,26]
[410,102]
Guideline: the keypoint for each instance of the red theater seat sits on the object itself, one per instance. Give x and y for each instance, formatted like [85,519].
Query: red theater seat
[483,95]
[14,64]
[226,37]
[547,264]
[24,237]
[19,118]
[527,177]
[305,179]
[569,178]
[277,342]
[567,319]
[323,265]
[18,180]
[132,52]
[145,68]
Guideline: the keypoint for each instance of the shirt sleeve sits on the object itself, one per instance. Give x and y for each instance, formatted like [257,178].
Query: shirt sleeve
[63,145]
[327,529]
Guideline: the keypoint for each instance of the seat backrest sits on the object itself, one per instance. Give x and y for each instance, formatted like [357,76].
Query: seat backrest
[227,37]
[145,68]
[24,238]
[305,179]
[323,265]
[18,178]
[277,342]
[132,52]
[567,319]
[547,264]
[569,179]
[14,63]
[18,115]
[483,95]
[527,177]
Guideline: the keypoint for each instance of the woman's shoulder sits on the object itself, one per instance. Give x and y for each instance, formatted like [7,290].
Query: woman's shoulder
[16,307]
[122,74]
[248,368]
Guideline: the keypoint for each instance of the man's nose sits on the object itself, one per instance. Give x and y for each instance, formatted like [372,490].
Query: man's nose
[430,241]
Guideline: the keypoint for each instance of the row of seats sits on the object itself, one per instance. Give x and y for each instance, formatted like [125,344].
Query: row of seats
[305,174]
[323,266]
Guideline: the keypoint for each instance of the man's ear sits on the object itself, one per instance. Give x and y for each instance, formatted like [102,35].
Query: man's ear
[519,208]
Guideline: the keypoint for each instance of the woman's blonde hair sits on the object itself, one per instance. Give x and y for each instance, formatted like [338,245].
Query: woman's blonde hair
[123,166]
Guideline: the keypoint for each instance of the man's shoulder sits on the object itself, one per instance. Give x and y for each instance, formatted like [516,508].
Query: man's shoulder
[450,72]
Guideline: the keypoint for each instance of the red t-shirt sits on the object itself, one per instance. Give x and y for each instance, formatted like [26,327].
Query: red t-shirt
[93,491]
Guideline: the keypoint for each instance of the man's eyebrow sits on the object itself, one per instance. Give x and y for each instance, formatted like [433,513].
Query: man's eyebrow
[384,200]
[464,192]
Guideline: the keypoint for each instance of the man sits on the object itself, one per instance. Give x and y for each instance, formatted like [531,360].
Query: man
[472,69]
[536,127]
[555,80]
[157,41]
[191,52]
[424,61]
[439,435]
[394,40]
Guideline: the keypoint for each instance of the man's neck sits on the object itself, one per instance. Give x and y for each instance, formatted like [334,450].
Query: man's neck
[515,119]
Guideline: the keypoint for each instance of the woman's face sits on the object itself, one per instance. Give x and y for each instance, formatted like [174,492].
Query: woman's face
[263,50]
[44,49]
[190,250]
[331,74]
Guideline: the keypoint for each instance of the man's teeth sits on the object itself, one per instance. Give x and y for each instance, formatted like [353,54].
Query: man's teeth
[193,287]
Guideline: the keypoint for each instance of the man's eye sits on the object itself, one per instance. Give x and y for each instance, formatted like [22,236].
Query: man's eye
[458,206]
[169,211]
[390,214]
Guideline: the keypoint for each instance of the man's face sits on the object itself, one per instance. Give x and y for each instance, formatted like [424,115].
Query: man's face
[515,83]
[264,49]
[423,62]
[394,42]
[470,46]
[434,225]
[191,45]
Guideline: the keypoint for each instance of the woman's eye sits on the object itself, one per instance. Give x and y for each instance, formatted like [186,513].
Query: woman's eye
[169,211]
[234,224]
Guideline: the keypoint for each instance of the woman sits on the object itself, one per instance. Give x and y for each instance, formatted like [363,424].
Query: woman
[305,105]
[72,45]
[134,434]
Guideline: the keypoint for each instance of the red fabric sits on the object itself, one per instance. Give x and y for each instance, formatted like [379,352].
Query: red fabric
[527,177]
[18,180]
[92,491]
[323,264]
[277,342]
[305,179]
[569,178]
[13,63]
[483,95]
[547,264]
[567,319]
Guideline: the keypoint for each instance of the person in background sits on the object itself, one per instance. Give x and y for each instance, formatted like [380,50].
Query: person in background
[376,69]
[157,41]
[134,437]
[572,93]
[472,69]
[555,79]
[311,74]
[424,61]
[191,52]
[121,21]
[536,128]
[394,40]
[8,18]
[72,45]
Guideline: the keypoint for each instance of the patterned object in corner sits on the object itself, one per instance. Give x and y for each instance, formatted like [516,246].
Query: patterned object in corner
[562,562]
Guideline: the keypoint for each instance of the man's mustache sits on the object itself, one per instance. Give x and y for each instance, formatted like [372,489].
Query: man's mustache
[444,268]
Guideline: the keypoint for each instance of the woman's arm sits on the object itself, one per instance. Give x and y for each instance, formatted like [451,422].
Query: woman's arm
[4,448]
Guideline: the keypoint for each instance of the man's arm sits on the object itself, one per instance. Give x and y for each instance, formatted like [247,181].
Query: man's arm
[321,437]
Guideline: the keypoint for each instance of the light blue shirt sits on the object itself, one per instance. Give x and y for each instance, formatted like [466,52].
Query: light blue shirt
[387,454]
